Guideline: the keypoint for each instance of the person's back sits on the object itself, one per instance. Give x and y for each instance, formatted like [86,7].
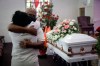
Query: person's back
[22,56]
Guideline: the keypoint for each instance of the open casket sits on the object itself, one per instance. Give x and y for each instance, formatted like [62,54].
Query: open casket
[75,47]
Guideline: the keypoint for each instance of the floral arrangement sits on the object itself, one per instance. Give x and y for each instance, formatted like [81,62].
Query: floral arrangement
[67,26]
[46,16]
[98,40]
[98,29]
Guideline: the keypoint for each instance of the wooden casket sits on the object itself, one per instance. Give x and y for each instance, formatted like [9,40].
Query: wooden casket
[75,47]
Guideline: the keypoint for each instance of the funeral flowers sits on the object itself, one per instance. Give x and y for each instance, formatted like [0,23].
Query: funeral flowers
[67,26]
[46,16]
[98,40]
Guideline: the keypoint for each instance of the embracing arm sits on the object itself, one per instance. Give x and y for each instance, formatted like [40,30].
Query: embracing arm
[28,44]
[37,45]
[19,29]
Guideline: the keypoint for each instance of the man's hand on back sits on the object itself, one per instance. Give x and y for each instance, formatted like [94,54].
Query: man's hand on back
[32,30]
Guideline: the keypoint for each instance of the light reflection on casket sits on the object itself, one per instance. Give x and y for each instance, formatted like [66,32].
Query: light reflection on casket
[76,42]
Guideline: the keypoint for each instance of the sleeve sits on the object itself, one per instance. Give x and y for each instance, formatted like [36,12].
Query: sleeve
[35,24]
[40,35]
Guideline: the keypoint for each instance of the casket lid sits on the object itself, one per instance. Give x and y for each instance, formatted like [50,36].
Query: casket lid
[77,38]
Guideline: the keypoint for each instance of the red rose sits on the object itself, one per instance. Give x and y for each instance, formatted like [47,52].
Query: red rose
[98,29]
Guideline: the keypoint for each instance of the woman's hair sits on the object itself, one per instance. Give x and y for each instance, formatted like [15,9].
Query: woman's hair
[21,19]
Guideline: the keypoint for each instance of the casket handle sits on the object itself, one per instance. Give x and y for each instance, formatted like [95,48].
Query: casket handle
[70,52]
[61,47]
[82,51]
[93,50]
[83,59]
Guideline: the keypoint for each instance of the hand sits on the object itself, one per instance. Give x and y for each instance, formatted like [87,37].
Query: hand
[32,30]
[25,43]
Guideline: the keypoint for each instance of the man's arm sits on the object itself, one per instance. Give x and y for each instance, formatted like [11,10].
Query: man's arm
[19,29]
[28,44]
[36,45]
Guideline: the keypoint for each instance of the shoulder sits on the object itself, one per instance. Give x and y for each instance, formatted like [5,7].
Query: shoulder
[38,19]
[40,29]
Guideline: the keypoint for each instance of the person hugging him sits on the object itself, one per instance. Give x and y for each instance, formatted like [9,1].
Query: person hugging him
[25,46]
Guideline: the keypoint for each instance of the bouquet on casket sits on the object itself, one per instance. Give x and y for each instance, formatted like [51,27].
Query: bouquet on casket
[62,29]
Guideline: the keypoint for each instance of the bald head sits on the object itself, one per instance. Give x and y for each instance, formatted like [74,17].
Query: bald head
[31,11]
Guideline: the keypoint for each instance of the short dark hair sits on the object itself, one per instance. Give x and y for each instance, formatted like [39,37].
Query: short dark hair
[21,19]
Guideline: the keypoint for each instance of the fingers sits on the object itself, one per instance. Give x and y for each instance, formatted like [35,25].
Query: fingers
[22,44]
[25,43]
[32,30]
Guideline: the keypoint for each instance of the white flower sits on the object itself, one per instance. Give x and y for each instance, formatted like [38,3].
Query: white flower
[64,31]
[45,4]
[45,7]
[45,13]
[43,19]
[49,36]
[69,31]
[64,24]
[55,37]
[71,23]
[42,13]
[73,20]
[74,28]
[62,35]
[59,25]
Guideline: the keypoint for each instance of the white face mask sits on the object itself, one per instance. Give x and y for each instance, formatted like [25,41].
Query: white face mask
[35,24]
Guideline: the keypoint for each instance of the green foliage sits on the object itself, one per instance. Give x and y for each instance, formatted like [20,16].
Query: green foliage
[98,44]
